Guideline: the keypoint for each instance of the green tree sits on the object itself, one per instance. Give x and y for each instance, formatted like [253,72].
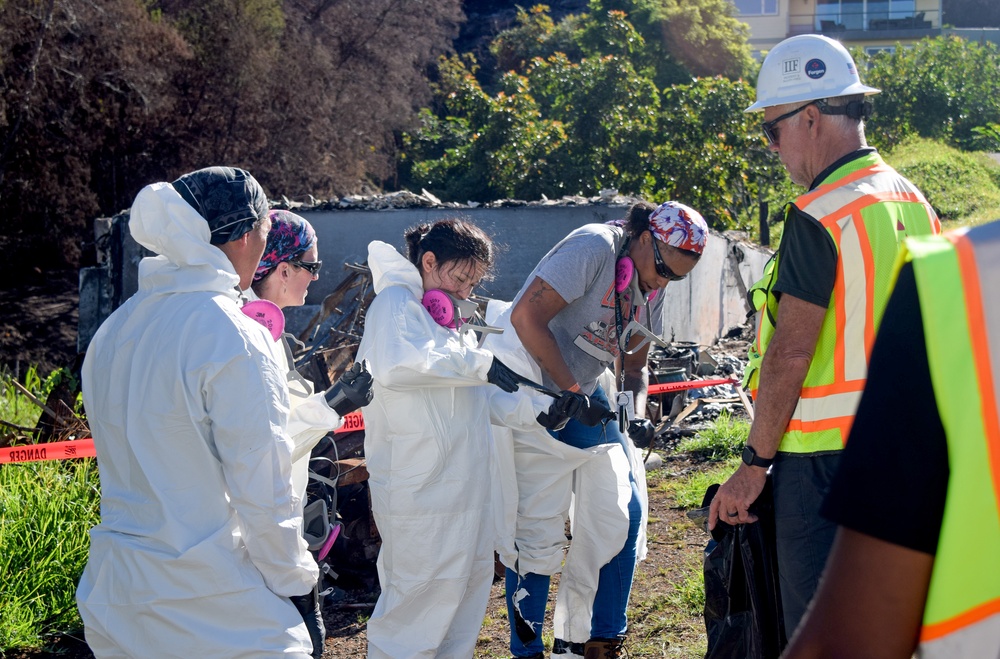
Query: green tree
[712,154]
[563,123]
[942,88]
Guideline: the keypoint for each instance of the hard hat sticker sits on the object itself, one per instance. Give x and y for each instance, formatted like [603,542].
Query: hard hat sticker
[790,68]
[815,69]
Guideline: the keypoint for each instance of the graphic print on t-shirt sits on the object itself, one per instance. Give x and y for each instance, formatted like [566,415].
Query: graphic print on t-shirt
[599,338]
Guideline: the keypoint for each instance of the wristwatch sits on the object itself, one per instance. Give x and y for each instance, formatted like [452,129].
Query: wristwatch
[751,458]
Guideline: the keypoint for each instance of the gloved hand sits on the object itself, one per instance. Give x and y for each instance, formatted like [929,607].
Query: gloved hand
[569,404]
[596,413]
[352,390]
[309,608]
[502,376]
[641,431]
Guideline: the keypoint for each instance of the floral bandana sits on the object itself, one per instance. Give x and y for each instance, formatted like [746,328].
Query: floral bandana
[290,237]
[678,225]
[230,200]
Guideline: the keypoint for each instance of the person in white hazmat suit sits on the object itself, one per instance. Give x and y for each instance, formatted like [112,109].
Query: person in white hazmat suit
[199,551]
[289,264]
[429,449]
[595,298]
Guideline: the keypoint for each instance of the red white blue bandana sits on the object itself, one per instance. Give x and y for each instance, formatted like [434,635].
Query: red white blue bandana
[680,226]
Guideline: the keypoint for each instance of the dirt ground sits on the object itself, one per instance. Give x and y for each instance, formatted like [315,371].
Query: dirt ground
[39,320]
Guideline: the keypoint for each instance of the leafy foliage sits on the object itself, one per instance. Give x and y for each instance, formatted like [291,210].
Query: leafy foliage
[580,110]
[942,88]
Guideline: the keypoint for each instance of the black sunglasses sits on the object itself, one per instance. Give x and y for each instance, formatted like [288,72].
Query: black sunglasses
[662,268]
[770,128]
[312,266]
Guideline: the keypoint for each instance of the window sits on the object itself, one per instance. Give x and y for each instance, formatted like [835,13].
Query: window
[858,14]
[757,7]
[872,50]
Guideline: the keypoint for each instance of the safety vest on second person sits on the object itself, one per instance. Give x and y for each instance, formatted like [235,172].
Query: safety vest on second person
[868,209]
[962,614]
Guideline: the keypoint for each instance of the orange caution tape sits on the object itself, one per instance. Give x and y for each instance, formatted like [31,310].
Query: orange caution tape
[670,387]
[74,448]
[352,421]
[84,448]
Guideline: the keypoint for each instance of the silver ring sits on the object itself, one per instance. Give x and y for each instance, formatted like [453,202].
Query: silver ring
[736,514]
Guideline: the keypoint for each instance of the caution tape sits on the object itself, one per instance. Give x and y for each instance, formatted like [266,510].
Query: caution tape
[74,448]
[84,448]
[670,387]
[353,421]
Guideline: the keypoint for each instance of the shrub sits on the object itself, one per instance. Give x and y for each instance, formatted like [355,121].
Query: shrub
[961,186]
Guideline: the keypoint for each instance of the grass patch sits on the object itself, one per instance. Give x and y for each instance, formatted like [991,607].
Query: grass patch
[46,511]
[725,438]
[689,590]
[688,490]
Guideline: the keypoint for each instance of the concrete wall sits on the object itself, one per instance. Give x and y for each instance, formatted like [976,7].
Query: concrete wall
[528,232]
[699,309]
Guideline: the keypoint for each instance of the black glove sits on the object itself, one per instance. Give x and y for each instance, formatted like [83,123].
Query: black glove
[569,404]
[309,608]
[595,413]
[502,376]
[641,431]
[352,390]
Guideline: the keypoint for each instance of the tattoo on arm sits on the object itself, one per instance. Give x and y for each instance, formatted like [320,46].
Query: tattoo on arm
[536,297]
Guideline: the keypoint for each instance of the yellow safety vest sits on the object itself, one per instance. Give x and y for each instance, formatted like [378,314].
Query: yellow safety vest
[868,209]
[962,334]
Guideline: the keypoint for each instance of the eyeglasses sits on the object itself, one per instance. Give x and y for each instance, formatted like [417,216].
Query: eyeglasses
[662,268]
[770,128]
[312,266]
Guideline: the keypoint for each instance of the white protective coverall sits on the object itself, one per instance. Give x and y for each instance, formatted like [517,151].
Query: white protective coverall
[430,455]
[309,417]
[592,488]
[200,541]
[554,481]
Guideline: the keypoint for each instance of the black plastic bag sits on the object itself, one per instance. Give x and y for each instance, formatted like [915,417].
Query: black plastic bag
[742,599]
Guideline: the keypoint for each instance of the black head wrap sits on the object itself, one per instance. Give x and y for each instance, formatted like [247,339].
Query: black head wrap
[230,200]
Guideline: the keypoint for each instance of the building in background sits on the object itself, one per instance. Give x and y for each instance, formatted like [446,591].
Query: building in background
[872,24]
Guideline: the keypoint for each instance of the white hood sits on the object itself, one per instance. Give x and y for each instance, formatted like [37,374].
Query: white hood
[390,268]
[187,260]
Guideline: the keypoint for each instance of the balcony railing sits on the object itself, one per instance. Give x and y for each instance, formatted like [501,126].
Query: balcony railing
[878,24]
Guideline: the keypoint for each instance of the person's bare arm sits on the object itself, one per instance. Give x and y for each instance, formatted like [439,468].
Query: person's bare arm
[870,602]
[782,373]
[530,318]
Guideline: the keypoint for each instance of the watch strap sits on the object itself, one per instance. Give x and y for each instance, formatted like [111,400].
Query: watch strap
[751,458]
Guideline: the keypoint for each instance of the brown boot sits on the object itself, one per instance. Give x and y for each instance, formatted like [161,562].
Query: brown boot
[604,648]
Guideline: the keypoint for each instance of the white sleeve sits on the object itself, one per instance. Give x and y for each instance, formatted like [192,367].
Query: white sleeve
[247,402]
[309,420]
[407,349]
[518,410]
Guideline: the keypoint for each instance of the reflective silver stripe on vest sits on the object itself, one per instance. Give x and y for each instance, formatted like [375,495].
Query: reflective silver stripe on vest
[986,240]
[978,641]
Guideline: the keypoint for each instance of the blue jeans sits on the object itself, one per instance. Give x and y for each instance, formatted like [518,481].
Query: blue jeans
[615,580]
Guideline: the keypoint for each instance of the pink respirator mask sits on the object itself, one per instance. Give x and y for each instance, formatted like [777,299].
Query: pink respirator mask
[268,314]
[454,313]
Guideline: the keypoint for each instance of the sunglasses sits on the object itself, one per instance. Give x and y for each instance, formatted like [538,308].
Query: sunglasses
[312,266]
[662,268]
[770,128]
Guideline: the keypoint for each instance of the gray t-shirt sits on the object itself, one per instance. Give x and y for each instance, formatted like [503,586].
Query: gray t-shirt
[581,269]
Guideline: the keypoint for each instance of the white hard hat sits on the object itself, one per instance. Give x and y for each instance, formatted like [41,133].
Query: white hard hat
[807,67]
